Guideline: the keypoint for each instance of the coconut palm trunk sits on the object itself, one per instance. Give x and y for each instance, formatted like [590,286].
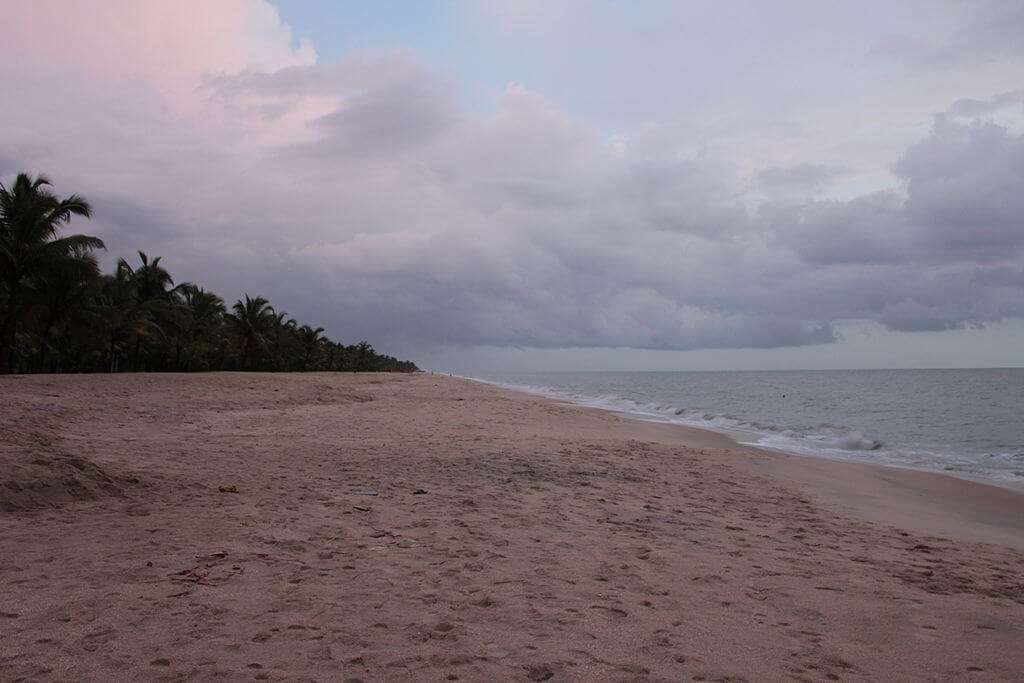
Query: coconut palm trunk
[44,343]
[8,326]
[7,347]
[6,343]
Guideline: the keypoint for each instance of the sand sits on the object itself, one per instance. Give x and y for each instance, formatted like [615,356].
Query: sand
[340,527]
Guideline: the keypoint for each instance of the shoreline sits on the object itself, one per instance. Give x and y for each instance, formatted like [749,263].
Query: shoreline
[331,527]
[821,455]
[926,501]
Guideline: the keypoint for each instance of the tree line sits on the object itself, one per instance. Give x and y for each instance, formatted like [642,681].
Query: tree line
[60,313]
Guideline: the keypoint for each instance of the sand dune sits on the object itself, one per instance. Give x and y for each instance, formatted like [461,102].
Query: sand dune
[337,527]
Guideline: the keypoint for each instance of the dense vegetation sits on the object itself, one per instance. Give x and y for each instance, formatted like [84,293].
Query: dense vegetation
[59,313]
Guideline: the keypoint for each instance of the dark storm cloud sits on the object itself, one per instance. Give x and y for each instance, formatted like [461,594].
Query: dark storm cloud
[869,229]
[139,223]
[963,203]
[964,186]
[798,177]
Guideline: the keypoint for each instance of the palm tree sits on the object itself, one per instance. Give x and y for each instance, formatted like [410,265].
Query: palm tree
[284,331]
[62,286]
[31,218]
[118,313]
[56,308]
[154,292]
[151,280]
[332,354]
[364,356]
[252,319]
[202,316]
[310,339]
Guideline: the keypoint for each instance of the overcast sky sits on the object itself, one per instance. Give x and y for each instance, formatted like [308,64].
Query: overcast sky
[535,184]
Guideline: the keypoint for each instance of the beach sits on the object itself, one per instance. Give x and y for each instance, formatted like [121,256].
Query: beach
[330,526]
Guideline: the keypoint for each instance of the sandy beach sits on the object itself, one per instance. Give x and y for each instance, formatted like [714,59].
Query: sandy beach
[398,527]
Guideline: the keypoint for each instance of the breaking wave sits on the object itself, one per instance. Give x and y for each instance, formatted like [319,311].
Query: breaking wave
[823,440]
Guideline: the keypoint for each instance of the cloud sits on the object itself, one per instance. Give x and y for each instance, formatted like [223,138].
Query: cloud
[961,203]
[869,229]
[809,177]
[964,191]
[990,32]
[364,196]
[971,107]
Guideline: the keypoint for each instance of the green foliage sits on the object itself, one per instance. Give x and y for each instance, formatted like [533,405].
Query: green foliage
[59,313]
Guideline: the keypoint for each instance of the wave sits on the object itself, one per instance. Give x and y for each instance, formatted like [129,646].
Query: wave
[822,436]
[822,440]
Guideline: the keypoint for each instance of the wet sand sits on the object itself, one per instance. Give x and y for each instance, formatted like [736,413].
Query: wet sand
[333,527]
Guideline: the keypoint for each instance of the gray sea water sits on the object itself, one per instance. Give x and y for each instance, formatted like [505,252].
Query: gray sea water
[964,422]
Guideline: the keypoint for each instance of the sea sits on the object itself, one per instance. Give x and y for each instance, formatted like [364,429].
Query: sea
[968,423]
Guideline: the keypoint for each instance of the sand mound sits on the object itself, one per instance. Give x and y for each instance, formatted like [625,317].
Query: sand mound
[52,450]
[37,473]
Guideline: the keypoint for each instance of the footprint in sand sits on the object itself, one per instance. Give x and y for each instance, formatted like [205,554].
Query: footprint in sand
[539,672]
[613,610]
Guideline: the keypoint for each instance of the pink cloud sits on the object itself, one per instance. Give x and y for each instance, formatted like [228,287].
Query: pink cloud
[171,46]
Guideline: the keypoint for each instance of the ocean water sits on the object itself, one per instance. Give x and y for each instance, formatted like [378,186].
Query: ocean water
[968,423]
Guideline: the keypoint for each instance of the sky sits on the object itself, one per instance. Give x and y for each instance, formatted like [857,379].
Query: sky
[544,185]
